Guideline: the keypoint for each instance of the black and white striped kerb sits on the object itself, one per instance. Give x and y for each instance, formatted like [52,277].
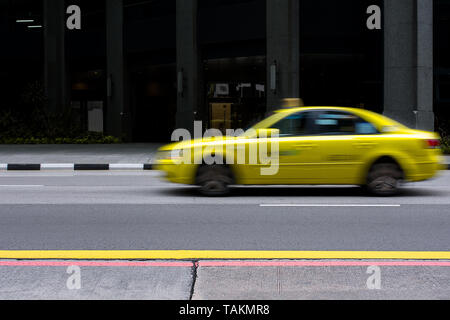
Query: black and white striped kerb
[82,167]
[75,167]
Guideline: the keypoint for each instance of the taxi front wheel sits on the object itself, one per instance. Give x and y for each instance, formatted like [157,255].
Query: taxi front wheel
[214,180]
[384,179]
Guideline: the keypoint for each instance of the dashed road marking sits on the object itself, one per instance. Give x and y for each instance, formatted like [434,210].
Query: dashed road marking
[21,186]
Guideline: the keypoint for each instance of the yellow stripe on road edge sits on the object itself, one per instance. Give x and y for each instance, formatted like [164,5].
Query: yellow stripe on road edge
[224,255]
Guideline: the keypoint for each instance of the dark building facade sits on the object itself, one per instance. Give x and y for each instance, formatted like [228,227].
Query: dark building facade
[138,69]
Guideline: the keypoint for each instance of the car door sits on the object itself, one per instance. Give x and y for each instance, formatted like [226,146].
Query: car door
[298,152]
[343,141]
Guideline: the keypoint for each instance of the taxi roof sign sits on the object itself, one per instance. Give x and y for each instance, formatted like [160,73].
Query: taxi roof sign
[292,103]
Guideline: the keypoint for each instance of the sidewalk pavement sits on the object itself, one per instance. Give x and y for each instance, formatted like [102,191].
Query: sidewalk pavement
[142,153]
[133,153]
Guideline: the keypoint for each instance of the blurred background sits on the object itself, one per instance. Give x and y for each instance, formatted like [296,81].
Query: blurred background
[138,69]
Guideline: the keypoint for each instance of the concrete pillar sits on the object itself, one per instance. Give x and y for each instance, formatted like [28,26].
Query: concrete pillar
[188,64]
[54,48]
[116,112]
[283,50]
[408,95]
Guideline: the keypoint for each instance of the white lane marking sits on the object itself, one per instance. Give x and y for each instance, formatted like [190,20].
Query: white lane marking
[332,205]
[21,186]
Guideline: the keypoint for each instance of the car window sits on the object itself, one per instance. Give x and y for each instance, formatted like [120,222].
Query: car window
[294,125]
[363,127]
[341,123]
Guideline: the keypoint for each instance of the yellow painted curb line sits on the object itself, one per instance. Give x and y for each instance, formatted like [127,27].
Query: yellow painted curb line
[224,255]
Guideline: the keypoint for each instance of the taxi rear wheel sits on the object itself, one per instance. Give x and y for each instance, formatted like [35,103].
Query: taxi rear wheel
[214,180]
[384,179]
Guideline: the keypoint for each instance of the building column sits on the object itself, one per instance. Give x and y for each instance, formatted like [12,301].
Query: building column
[408,95]
[188,64]
[55,62]
[116,108]
[283,51]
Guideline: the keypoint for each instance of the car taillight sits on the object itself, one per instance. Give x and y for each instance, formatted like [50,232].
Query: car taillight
[433,144]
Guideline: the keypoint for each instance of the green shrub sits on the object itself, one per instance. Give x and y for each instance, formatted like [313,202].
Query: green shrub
[88,138]
[445,143]
[29,122]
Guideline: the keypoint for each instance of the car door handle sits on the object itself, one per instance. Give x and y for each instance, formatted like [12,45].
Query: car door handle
[365,145]
[306,146]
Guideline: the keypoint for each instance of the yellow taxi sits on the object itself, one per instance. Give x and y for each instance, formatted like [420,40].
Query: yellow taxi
[307,146]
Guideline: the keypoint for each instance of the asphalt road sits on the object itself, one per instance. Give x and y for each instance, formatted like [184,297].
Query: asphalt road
[137,211]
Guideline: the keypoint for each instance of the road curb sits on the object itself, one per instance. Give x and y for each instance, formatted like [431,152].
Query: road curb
[74,167]
[84,167]
[220,255]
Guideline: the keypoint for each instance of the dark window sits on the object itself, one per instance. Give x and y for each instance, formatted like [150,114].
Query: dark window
[294,125]
[341,123]
[341,60]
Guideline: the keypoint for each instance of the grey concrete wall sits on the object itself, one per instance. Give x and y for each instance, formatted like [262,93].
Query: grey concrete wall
[55,62]
[188,62]
[283,48]
[409,62]
[425,64]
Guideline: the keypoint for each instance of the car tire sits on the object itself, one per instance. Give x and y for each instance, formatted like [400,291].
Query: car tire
[214,180]
[384,179]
